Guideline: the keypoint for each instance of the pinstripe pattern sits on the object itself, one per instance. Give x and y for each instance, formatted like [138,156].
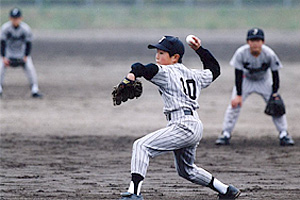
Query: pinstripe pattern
[183,132]
[170,85]
[260,83]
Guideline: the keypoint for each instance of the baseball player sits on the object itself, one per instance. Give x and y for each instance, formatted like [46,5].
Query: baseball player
[180,88]
[256,71]
[16,43]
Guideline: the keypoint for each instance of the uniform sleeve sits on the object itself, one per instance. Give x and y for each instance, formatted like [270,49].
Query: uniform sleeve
[28,34]
[3,33]
[205,77]
[28,46]
[275,62]
[3,47]
[209,62]
[161,78]
[276,81]
[147,71]
[3,41]
[236,60]
[29,37]
[238,81]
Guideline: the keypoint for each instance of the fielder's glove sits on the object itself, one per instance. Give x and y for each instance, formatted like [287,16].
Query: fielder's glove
[15,62]
[275,106]
[127,89]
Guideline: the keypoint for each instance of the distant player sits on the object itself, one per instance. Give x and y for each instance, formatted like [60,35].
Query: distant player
[16,42]
[256,71]
[180,88]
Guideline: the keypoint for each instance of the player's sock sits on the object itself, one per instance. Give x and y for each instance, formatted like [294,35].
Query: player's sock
[226,134]
[34,88]
[282,134]
[218,186]
[135,184]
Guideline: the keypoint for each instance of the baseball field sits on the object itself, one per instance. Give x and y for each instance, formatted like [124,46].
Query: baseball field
[74,144]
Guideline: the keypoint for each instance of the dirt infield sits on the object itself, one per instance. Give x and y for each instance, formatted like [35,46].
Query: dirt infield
[97,167]
[73,144]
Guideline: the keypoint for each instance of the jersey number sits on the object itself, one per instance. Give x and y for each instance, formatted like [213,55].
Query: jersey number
[189,88]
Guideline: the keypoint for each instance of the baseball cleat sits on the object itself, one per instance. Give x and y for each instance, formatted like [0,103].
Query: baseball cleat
[286,141]
[222,140]
[128,195]
[232,193]
[37,95]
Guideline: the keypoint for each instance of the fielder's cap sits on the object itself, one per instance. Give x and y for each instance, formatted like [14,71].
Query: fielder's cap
[15,13]
[170,44]
[255,33]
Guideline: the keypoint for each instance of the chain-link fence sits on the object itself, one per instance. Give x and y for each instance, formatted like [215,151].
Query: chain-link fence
[235,3]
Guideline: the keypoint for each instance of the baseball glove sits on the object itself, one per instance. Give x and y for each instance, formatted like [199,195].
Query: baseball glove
[127,89]
[275,106]
[15,62]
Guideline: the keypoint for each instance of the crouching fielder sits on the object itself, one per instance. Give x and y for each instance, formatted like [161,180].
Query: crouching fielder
[256,71]
[16,38]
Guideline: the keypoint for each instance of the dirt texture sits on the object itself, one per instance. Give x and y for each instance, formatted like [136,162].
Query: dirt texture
[74,144]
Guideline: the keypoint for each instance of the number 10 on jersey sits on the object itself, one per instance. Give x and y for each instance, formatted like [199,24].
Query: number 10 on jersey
[189,88]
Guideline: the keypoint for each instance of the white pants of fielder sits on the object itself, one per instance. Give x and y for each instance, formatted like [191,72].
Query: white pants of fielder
[261,87]
[182,136]
[30,73]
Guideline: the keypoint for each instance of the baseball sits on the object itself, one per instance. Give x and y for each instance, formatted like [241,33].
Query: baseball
[189,39]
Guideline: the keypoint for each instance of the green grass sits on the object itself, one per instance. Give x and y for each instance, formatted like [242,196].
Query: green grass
[103,16]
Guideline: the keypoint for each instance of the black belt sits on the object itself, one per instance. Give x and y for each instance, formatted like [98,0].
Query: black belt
[186,111]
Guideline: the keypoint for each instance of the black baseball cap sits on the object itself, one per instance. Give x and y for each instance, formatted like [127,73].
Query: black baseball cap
[255,33]
[170,44]
[15,13]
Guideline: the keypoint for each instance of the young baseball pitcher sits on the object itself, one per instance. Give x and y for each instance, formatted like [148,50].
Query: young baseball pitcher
[256,71]
[16,43]
[180,88]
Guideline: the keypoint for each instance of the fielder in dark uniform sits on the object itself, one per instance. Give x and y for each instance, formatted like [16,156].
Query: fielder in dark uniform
[16,43]
[180,88]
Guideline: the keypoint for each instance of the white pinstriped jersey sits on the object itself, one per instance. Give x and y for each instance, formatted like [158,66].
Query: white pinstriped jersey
[180,87]
[244,57]
[16,39]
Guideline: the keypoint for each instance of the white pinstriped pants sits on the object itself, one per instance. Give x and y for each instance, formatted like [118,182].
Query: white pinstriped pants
[182,136]
[30,73]
[261,87]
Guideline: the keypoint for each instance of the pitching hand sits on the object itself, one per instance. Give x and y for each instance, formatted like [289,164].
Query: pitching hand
[195,44]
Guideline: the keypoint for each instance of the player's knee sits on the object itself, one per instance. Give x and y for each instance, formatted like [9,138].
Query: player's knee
[137,145]
[181,174]
[186,174]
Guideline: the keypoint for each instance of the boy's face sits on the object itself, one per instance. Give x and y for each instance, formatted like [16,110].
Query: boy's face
[163,58]
[255,46]
[16,21]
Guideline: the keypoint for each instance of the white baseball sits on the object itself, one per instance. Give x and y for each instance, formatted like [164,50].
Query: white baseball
[189,39]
